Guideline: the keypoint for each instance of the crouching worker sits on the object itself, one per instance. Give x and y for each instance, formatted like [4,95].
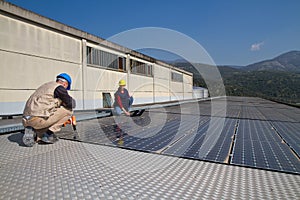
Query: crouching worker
[46,110]
[123,100]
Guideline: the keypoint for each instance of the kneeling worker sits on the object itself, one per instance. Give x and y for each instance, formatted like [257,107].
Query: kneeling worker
[46,110]
[123,100]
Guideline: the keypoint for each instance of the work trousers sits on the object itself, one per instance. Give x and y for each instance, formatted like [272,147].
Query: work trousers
[52,123]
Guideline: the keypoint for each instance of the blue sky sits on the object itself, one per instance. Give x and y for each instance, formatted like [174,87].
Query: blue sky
[233,32]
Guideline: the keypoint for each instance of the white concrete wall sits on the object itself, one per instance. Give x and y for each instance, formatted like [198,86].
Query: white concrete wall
[101,80]
[30,56]
[161,83]
[141,88]
[188,86]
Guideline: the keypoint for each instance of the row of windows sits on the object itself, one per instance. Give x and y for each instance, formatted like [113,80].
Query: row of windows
[104,59]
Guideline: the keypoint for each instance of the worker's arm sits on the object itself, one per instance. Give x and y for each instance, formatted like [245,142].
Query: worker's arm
[119,101]
[67,101]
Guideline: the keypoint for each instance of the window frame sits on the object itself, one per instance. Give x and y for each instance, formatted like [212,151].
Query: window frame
[141,68]
[176,77]
[102,59]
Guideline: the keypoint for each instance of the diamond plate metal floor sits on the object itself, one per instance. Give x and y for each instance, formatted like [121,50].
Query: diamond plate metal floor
[75,170]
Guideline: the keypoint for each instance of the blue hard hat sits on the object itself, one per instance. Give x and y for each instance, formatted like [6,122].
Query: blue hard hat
[67,78]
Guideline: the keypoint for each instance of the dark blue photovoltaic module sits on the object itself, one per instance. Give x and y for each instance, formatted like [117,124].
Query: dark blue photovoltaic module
[253,132]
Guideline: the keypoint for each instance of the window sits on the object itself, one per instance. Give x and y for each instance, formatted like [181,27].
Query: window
[107,101]
[105,59]
[176,77]
[138,67]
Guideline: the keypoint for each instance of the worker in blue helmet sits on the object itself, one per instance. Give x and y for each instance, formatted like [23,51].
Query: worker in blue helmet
[46,110]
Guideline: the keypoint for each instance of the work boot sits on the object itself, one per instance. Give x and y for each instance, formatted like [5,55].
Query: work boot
[47,139]
[52,137]
[29,137]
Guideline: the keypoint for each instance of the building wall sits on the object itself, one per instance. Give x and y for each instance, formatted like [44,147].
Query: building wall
[188,86]
[141,88]
[33,53]
[199,92]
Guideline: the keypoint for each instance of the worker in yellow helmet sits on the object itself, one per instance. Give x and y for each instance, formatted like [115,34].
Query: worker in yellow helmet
[123,100]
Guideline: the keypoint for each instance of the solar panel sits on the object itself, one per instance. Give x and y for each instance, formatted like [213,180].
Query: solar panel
[181,131]
[289,131]
[258,145]
[220,151]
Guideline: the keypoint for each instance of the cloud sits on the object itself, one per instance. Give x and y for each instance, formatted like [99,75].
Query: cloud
[256,46]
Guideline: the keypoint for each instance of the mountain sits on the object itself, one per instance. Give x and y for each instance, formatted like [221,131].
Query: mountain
[276,79]
[288,62]
[233,66]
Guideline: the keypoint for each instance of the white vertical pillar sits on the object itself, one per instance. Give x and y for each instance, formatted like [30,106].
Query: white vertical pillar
[84,74]
[170,79]
[128,73]
[153,80]
[183,86]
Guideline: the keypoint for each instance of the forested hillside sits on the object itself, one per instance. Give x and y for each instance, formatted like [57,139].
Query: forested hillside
[279,86]
[266,82]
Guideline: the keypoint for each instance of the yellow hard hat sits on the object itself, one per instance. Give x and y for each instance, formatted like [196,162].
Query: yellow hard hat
[122,82]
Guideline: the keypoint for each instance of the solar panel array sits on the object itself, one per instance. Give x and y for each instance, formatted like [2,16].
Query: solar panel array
[254,132]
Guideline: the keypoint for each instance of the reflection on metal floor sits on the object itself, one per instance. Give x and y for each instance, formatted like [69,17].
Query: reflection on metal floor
[241,131]
[157,166]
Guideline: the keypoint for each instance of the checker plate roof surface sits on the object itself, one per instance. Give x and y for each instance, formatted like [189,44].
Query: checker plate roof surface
[77,170]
